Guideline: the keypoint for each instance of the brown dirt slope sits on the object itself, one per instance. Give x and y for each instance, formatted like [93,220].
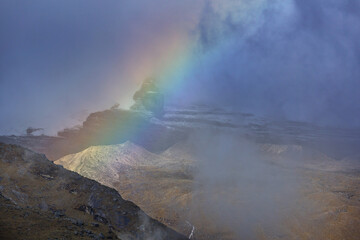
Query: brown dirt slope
[40,200]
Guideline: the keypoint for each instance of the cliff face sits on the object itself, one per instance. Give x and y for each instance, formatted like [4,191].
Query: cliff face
[61,203]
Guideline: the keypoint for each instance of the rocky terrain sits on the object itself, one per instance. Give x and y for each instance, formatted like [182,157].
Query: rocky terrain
[316,191]
[215,174]
[41,200]
[154,180]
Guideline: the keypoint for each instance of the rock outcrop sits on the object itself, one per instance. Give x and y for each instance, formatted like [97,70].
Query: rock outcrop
[118,126]
[62,204]
[149,98]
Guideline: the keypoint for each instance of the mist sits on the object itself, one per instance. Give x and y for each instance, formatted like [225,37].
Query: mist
[296,60]
[240,190]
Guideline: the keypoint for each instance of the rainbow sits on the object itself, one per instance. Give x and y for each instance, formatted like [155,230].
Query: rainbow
[173,59]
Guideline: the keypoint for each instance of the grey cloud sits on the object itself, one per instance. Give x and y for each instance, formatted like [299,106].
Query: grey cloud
[300,64]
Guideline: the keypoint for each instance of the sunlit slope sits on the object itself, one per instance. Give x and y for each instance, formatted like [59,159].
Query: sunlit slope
[41,200]
[288,192]
[161,184]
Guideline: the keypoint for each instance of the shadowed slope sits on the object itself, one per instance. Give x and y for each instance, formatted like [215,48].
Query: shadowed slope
[31,184]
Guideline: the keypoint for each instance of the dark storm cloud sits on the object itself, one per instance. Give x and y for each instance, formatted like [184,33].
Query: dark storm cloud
[291,59]
[302,62]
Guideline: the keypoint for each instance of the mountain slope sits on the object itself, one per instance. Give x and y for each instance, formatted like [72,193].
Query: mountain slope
[34,189]
[126,154]
[160,183]
[308,189]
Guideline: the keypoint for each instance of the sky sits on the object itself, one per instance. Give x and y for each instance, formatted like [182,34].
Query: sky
[292,59]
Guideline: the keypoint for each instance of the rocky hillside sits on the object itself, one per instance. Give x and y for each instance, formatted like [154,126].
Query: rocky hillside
[120,155]
[154,181]
[306,190]
[41,200]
